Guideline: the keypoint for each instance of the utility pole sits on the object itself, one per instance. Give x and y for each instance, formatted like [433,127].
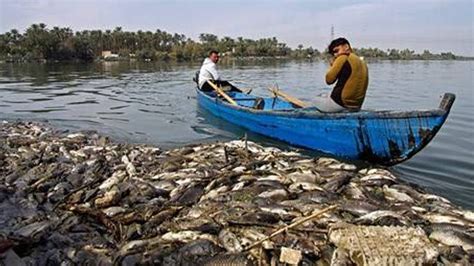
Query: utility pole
[332,32]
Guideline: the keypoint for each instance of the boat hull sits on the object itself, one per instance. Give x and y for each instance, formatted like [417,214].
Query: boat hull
[384,137]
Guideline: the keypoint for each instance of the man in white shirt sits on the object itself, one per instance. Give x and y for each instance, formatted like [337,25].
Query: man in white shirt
[209,70]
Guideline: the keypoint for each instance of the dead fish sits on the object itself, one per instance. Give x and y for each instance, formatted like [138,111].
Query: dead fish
[431,197]
[266,185]
[454,255]
[466,214]
[134,246]
[453,238]
[113,180]
[112,211]
[185,236]
[353,191]
[395,195]
[239,169]
[381,217]
[78,153]
[336,183]
[305,186]
[325,161]
[290,153]
[164,215]
[451,227]
[409,191]
[304,176]
[317,196]
[167,185]
[192,253]
[180,187]
[256,218]
[230,241]
[32,230]
[201,247]
[378,171]
[419,209]
[189,196]
[378,180]
[249,236]
[215,192]
[76,136]
[131,170]
[109,198]
[65,152]
[238,186]
[342,166]
[445,218]
[302,205]
[132,232]
[277,209]
[277,194]
[275,178]
[358,208]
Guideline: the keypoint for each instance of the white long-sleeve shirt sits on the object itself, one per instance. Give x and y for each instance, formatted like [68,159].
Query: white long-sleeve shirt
[208,72]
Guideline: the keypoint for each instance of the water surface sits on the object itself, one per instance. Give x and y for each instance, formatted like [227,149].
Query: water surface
[156,103]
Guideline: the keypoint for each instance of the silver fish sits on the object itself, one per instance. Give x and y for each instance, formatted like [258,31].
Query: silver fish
[229,241]
[453,238]
[395,195]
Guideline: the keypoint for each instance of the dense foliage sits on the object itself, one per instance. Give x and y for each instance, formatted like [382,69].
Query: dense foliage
[40,43]
[405,54]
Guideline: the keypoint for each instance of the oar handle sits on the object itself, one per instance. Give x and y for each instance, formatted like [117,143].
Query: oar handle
[221,93]
[289,98]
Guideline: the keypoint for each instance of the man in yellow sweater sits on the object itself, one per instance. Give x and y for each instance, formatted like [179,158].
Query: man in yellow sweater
[352,78]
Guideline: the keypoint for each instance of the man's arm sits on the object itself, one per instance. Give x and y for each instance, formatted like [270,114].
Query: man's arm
[336,67]
[213,71]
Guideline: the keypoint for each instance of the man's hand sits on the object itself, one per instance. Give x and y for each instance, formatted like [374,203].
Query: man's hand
[331,60]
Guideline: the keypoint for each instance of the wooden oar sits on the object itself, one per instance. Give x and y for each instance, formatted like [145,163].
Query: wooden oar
[222,93]
[289,98]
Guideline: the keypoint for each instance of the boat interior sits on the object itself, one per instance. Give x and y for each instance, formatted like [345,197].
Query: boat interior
[255,102]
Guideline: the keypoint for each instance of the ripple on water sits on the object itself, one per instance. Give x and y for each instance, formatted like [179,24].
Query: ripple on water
[15,102]
[157,104]
[83,102]
[155,111]
[118,107]
[49,110]
[40,99]
[110,113]
[114,119]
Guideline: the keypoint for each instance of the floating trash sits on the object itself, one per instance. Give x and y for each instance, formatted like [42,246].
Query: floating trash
[384,245]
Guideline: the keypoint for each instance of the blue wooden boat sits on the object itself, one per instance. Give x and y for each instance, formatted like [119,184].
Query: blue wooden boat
[384,137]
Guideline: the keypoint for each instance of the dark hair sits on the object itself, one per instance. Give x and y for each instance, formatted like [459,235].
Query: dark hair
[213,52]
[337,42]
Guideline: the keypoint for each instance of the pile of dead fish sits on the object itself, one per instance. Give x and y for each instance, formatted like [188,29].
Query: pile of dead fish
[82,199]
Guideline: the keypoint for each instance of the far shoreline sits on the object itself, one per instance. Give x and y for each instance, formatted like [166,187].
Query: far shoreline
[223,60]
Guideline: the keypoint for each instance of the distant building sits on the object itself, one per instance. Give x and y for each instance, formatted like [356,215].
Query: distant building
[108,55]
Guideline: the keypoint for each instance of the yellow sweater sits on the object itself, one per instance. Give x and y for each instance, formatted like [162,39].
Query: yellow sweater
[352,78]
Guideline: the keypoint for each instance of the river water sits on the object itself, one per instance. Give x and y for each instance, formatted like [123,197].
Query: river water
[156,103]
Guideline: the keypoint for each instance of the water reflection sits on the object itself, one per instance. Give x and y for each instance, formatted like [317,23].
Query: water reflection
[156,103]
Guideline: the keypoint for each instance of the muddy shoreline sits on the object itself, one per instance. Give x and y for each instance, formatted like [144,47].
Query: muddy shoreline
[80,198]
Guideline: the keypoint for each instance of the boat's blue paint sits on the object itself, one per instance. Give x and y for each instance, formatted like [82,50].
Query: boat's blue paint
[386,137]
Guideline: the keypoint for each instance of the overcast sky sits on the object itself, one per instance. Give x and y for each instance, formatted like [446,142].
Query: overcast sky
[437,25]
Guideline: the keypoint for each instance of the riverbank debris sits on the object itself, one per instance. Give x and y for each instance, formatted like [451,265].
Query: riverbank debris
[83,199]
[384,245]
